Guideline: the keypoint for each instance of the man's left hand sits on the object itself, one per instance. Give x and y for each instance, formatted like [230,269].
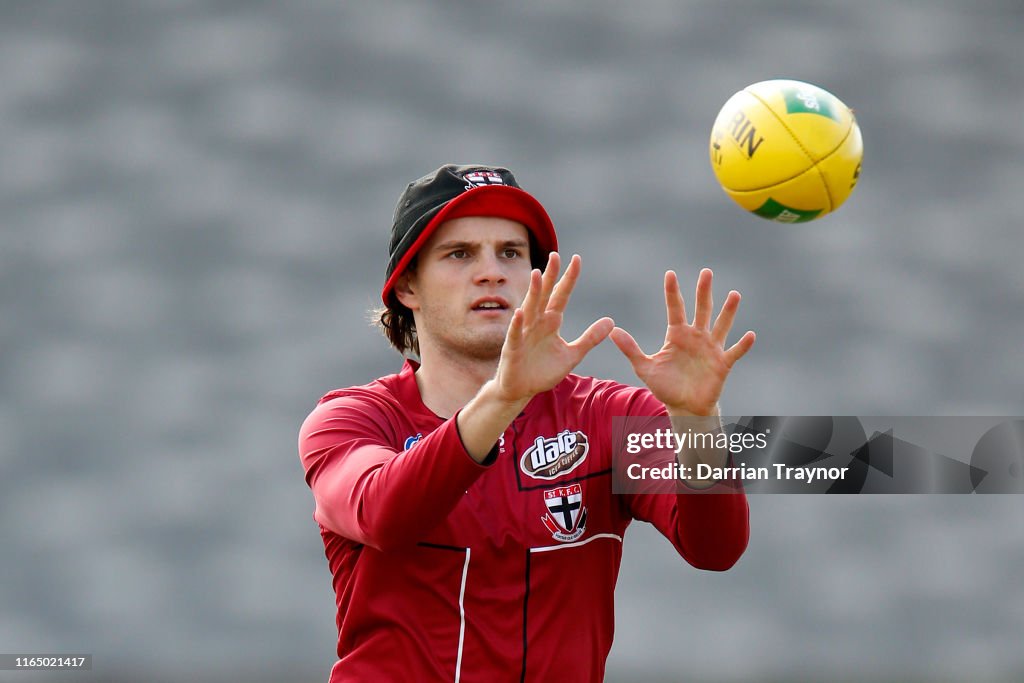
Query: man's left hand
[689,371]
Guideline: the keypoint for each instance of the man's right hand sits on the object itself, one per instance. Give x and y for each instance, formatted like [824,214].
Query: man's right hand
[535,357]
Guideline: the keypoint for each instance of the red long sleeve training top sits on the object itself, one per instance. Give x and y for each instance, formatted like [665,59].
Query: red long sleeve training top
[448,570]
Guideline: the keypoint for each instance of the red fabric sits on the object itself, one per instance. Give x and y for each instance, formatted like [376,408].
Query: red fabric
[443,566]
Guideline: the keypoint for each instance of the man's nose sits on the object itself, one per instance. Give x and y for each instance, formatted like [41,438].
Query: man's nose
[491,269]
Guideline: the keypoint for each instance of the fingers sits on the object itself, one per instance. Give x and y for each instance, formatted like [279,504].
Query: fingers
[740,348]
[675,307]
[563,290]
[514,336]
[723,323]
[547,291]
[592,336]
[705,303]
[548,280]
[624,340]
[531,303]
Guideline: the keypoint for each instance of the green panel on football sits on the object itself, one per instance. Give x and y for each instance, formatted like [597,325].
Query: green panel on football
[774,211]
[808,100]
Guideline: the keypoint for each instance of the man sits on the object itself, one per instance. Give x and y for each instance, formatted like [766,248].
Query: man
[466,502]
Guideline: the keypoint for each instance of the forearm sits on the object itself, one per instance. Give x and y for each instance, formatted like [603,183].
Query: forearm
[367,490]
[713,526]
[485,418]
[369,493]
[700,432]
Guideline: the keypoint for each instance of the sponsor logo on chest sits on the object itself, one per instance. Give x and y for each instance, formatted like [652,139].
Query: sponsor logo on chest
[552,457]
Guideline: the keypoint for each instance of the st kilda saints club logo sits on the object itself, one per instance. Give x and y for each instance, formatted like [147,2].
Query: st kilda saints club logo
[482,179]
[566,517]
[557,455]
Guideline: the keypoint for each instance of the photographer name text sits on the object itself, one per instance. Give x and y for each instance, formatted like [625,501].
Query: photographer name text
[704,472]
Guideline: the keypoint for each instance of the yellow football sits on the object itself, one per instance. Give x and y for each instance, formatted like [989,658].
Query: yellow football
[786,150]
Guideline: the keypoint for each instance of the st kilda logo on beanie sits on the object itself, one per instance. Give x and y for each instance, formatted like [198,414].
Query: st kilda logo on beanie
[482,179]
[552,457]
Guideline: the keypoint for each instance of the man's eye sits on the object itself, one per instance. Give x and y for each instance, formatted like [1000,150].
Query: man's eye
[458,254]
[512,253]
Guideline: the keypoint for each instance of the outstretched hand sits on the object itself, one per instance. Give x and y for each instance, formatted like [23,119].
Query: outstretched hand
[535,357]
[689,371]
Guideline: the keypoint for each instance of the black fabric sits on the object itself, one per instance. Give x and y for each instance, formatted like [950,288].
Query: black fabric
[425,197]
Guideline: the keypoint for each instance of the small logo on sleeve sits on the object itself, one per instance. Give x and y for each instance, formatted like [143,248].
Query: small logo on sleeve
[409,441]
[555,456]
[566,517]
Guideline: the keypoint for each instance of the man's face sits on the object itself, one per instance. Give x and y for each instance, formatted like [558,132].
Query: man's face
[470,276]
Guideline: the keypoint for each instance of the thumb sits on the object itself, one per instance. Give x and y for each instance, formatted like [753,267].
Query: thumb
[624,340]
[594,335]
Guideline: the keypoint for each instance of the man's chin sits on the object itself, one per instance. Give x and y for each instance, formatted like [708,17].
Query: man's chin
[485,347]
[486,350]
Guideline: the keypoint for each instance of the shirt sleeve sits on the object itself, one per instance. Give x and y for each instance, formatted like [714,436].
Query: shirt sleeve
[709,527]
[370,492]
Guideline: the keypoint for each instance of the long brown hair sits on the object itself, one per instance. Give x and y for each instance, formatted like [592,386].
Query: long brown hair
[397,324]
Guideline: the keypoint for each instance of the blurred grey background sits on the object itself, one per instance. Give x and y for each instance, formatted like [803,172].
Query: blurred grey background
[195,200]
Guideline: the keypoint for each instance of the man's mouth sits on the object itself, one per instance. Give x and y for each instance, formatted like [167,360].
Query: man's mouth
[490,303]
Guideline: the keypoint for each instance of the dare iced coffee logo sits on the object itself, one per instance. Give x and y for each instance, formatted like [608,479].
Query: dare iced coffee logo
[552,457]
